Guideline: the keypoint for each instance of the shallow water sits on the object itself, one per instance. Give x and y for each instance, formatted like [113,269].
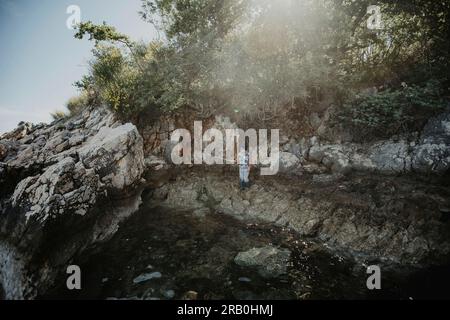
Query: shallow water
[163,254]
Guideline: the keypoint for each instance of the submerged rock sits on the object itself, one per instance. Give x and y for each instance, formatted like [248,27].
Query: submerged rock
[147,276]
[169,294]
[245,279]
[269,261]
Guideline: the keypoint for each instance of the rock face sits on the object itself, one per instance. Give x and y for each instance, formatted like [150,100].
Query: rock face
[424,152]
[389,219]
[433,152]
[65,169]
[270,262]
[428,152]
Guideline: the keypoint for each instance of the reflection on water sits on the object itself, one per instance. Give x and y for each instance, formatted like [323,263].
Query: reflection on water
[165,254]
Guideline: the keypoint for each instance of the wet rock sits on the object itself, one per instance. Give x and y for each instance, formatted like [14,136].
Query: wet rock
[147,276]
[444,210]
[244,279]
[269,261]
[190,295]
[169,294]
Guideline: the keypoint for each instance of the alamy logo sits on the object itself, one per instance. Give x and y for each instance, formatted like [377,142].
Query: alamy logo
[75,16]
[209,147]
[74,280]
[374,21]
[374,281]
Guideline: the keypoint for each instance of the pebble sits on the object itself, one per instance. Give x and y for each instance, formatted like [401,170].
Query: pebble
[169,294]
[244,279]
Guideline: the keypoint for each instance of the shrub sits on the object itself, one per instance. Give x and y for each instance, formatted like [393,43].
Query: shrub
[111,80]
[57,115]
[390,112]
[76,104]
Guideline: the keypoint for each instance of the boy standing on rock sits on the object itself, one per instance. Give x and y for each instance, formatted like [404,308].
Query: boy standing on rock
[244,169]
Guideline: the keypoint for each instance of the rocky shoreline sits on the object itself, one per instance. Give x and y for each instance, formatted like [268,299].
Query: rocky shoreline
[391,220]
[67,185]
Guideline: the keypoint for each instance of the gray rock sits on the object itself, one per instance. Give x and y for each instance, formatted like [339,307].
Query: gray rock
[65,169]
[169,294]
[270,262]
[116,154]
[336,157]
[431,153]
[244,279]
[288,162]
[391,156]
[146,277]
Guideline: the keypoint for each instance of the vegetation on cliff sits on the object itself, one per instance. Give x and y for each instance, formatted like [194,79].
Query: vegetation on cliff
[263,60]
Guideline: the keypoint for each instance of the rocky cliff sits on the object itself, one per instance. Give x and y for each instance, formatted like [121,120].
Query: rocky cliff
[58,186]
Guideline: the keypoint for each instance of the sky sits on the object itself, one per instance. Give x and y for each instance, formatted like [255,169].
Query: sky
[40,59]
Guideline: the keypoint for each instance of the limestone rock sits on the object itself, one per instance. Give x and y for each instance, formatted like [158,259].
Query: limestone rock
[52,178]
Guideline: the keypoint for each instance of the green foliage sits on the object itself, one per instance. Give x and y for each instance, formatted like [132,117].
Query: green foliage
[100,32]
[383,114]
[261,57]
[113,78]
[58,115]
[76,104]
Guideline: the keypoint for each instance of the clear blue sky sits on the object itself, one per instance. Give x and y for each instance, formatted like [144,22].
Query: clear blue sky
[40,59]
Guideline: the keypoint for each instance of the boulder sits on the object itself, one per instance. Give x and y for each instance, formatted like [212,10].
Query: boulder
[288,162]
[269,261]
[432,154]
[390,157]
[335,157]
[116,155]
[54,180]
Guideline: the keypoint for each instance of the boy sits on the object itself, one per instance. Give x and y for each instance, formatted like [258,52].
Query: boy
[244,169]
